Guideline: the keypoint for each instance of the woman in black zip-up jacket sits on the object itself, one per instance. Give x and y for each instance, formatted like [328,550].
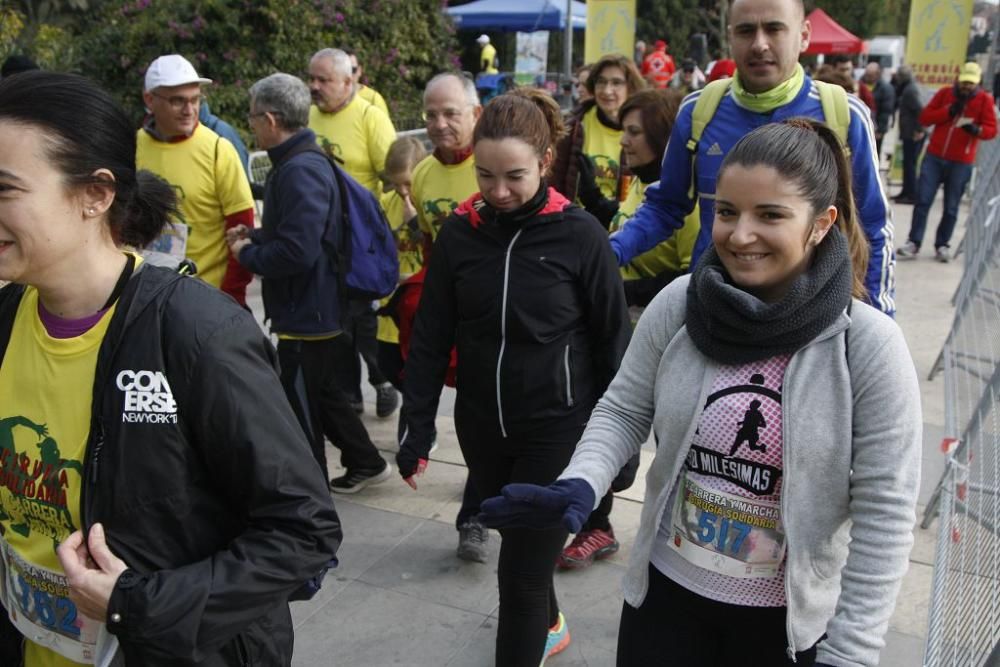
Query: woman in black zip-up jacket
[159,502]
[523,283]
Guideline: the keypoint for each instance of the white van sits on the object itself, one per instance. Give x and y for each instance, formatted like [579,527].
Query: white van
[887,51]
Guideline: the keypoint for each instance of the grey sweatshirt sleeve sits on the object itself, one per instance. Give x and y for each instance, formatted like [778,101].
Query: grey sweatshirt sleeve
[622,419]
[885,480]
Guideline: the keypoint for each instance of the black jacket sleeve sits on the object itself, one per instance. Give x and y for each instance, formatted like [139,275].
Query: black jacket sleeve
[607,315]
[255,452]
[430,351]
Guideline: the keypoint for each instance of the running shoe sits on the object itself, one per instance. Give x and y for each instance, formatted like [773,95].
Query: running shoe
[942,254]
[586,547]
[472,539]
[355,480]
[558,639]
[908,251]
[386,400]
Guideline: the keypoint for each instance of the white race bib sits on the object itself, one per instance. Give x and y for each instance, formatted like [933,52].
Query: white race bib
[37,601]
[727,534]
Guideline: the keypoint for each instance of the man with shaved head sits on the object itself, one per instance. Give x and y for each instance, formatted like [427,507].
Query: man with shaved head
[766,38]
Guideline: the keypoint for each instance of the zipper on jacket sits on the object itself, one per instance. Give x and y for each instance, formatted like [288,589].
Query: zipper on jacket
[569,379]
[242,654]
[96,453]
[503,327]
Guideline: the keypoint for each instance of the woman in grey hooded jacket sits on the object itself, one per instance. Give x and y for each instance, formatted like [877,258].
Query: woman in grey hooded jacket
[778,510]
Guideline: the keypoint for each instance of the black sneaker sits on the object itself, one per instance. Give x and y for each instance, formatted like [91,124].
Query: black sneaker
[386,400]
[355,480]
[472,539]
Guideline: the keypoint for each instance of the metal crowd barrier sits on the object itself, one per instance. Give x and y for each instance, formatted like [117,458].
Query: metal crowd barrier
[964,616]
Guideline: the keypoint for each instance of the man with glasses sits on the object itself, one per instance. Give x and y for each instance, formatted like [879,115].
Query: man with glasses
[212,188]
[347,127]
[301,208]
[442,181]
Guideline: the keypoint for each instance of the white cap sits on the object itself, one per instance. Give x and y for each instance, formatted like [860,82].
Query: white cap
[171,70]
[483,39]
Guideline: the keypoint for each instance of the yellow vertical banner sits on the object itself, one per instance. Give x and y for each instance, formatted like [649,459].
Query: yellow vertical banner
[936,40]
[610,28]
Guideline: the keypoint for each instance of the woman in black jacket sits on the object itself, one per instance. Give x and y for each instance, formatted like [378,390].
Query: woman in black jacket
[523,283]
[159,499]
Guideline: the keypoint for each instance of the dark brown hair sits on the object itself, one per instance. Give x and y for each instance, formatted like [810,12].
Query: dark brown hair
[657,109]
[633,80]
[86,131]
[810,154]
[528,114]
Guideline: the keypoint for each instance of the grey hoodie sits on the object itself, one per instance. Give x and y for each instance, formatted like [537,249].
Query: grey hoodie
[848,501]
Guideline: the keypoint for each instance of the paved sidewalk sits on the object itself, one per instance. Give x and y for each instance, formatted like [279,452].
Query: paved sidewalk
[401,597]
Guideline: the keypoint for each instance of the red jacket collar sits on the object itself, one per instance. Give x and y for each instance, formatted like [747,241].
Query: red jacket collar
[470,207]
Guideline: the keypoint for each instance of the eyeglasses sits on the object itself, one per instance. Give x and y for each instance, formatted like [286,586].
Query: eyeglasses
[354,69]
[601,82]
[449,115]
[178,102]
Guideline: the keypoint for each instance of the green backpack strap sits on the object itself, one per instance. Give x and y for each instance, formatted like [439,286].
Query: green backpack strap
[704,108]
[836,112]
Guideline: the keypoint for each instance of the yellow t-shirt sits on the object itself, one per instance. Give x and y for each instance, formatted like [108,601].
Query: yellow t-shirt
[674,254]
[359,135]
[487,60]
[601,145]
[409,244]
[210,182]
[46,384]
[439,188]
[372,96]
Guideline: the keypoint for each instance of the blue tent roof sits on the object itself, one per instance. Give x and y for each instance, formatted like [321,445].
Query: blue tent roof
[517,15]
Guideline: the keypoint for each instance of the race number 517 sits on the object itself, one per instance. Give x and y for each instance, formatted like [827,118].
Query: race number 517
[721,532]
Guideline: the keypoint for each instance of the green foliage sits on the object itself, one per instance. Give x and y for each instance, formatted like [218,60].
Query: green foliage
[51,46]
[861,18]
[676,20]
[401,43]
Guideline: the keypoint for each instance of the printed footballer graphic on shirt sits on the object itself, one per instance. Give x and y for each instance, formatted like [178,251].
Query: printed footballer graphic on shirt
[438,210]
[606,170]
[331,148]
[727,517]
[33,480]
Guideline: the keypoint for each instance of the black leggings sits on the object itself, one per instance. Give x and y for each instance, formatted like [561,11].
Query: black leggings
[677,627]
[528,605]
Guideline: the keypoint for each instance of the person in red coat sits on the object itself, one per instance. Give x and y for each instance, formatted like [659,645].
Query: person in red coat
[659,66]
[962,116]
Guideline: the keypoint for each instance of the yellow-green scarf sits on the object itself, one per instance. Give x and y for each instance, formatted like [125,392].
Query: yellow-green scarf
[769,100]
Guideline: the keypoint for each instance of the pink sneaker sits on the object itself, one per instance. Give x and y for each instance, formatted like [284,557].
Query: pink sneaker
[586,547]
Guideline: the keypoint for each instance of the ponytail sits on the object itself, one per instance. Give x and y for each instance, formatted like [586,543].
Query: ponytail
[144,213]
[526,114]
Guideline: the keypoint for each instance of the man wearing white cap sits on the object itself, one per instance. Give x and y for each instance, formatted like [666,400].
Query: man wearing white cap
[488,56]
[962,115]
[212,189]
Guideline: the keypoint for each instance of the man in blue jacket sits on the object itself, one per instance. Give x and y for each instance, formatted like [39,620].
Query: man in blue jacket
[766,37]
[302,212]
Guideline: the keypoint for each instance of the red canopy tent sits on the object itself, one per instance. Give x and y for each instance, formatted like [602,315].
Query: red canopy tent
[828,36]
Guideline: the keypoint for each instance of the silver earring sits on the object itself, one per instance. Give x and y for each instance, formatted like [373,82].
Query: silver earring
[90,211]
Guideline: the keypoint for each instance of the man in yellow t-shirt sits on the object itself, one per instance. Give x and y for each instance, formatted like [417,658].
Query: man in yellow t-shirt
[441,181]
[446,178]
[204,169]
[367,93]
[347,127]
[487,56]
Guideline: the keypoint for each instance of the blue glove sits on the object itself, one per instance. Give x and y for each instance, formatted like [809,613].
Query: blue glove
[566,501]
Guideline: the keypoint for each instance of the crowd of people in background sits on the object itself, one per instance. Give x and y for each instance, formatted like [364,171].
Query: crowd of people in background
[706,256]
